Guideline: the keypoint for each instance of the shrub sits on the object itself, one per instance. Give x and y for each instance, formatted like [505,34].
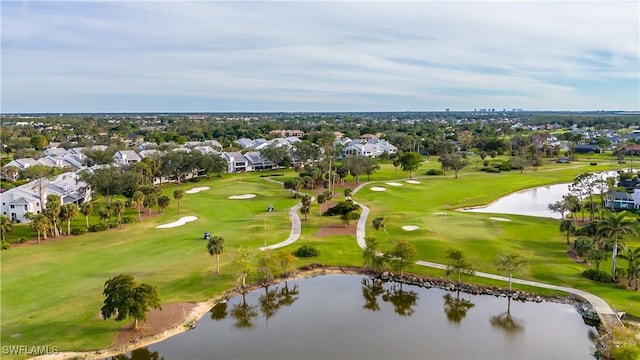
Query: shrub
[493,170]
[194,179]
[597,275]
[432,172]
[78,231]
[305,251]
[22,240]
[127,220]
[342,207]
[98,227]
[5,245]
[112,224]
[594,164]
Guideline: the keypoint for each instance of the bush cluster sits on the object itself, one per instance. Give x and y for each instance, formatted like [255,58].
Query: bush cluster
[127,220]
[78,231]
[306,251]
[98,227]
[343,207]
[597,275]
[5,245]
[433,172]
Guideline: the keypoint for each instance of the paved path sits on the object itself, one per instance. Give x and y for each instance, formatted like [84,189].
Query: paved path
[607,316]
[296,225]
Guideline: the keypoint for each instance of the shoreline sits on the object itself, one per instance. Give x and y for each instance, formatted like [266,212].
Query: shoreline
[202,308]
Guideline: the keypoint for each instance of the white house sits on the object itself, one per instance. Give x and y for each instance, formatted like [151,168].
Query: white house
[237,162]
[18,201]
[124,157]
[370,148]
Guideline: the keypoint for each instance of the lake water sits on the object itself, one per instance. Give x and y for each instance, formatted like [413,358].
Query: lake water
[530,202]
[354,317]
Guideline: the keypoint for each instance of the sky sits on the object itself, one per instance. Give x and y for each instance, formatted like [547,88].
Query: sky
[326,56]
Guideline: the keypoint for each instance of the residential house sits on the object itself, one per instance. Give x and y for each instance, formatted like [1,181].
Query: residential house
[370,148]
[124,157]
[18,201]
[617,200]
[237,162]
[255,162]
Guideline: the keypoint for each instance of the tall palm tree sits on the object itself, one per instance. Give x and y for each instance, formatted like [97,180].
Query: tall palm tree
[52,211]
[40,224]
[86,209]
[633,267]
[68,212]
[615,226]
[163,202]
[178,195]
[138,198]
[118,209]
[378,223]
[567,226]
[5,226]
[215,246]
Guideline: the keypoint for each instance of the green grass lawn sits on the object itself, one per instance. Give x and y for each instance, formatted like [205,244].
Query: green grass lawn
[52,292]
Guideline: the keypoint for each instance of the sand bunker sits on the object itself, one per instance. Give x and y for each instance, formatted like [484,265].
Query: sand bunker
[378,188]
[197,189]
[412,182]
[499,219]
[393,184]
[240,197]
[410,227]
[440,213]
[180,222]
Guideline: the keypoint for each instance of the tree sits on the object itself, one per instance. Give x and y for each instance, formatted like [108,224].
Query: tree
[378,223]
[105,181]
[178,195]
[215,246]
[371,259]
[124,299]
[454,162]
[53,213]
[40,224]
[41,174]
[410,162]
[510,263]
[86,209]
[243,262]
[321,199]
[150,200]
[5,226]
[458,264]
[68,212]
[39,142]
[567,226]
[348,216]
[614,226]
[633,265]
[347,193]
[163,203]
[559,206]
[118,208]
[138,199]
[305,210]
[402,255]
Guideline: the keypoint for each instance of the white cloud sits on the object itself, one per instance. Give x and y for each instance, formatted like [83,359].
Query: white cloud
[403,55]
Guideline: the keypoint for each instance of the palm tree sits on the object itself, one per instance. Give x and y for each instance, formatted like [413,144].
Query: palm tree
[215,246]
[510,263]
[304,210]
[633,267]
[178,195]
[163,203]
[53,213]
[68,212]
[615,226]
[5,226]
[138,198]
[86,209]
[348,193]
[40,224]
[118,208]
[566,225]
[378,223]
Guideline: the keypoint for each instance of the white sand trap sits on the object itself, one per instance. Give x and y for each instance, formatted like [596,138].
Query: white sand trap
[412,182]
[377,188]
[410,227]
[183,220]
[393,184]
[197,189]
[499,219]
[240,197]
[440,213]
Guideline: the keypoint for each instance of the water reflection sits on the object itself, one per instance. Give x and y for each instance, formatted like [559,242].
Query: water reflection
[506,321]
[139,354]
[456,308]
[345,317]
[403,301]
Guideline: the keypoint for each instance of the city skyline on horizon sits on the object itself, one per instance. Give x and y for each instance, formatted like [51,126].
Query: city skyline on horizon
[272,56]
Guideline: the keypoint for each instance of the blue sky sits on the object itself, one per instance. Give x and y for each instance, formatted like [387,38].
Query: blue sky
[241,56]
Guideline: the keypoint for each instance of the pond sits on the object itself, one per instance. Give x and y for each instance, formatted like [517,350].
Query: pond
[530,202]
[356,317]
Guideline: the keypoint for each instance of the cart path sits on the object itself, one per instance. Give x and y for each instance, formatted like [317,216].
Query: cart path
[607,316]
[296,224]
